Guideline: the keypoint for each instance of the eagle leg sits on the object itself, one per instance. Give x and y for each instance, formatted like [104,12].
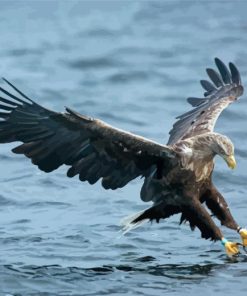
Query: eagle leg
[198,216]
[219,207]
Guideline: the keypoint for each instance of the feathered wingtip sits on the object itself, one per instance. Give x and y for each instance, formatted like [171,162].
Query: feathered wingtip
[128,223]
[225,76]
[17,90]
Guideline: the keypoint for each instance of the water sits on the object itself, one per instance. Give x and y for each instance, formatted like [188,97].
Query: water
[132,64]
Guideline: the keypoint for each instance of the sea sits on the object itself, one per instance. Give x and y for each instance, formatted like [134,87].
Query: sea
[131,64]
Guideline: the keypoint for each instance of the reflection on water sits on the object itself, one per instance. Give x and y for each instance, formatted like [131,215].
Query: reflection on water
[190,272]
[157,277]
[131,64]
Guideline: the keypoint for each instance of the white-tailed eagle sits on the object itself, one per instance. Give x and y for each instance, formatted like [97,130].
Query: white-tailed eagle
[177,176]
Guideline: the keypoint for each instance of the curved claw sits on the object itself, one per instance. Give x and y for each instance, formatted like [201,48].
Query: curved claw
[232,248]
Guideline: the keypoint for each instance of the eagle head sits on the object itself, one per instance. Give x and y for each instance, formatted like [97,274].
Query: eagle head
[224,147]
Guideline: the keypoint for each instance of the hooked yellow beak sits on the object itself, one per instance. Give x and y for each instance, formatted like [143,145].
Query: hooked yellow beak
[231,161]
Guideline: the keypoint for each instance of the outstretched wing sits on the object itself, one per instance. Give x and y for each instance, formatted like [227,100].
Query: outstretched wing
[89,146]
[225,89]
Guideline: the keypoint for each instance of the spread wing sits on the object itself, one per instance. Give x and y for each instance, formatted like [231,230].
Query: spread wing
[224,89]
[91,148]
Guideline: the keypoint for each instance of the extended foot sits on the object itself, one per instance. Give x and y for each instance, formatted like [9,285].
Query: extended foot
[231,248]
[243,234]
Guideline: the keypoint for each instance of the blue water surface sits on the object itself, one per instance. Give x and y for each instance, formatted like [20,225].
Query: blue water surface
[132,64]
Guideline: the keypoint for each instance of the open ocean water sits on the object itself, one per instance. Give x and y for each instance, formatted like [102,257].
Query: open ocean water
[132,64]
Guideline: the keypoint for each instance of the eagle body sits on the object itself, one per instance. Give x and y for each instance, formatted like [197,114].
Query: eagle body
[177,176]
[182,184]
[194,161]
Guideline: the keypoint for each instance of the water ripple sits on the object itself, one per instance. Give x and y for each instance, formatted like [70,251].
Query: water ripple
[94,63]
[132,64]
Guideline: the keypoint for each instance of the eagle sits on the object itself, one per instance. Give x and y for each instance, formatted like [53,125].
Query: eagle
[177,176]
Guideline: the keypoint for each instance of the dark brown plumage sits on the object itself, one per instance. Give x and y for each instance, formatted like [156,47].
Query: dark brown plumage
[177,175]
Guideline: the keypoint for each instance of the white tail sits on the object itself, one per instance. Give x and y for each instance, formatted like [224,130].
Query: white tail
[127,224]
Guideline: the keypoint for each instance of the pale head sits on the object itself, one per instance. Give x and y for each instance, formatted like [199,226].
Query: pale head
[224,147]
[211,144]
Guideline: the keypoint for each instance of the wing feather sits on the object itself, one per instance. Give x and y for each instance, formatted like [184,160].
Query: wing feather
[208,86]
[236,78]
[93,149]
[224,72]
[194,102]
[203,116]
[215,77]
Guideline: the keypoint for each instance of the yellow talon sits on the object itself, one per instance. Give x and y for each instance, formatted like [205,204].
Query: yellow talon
[243,234]
[230,247]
